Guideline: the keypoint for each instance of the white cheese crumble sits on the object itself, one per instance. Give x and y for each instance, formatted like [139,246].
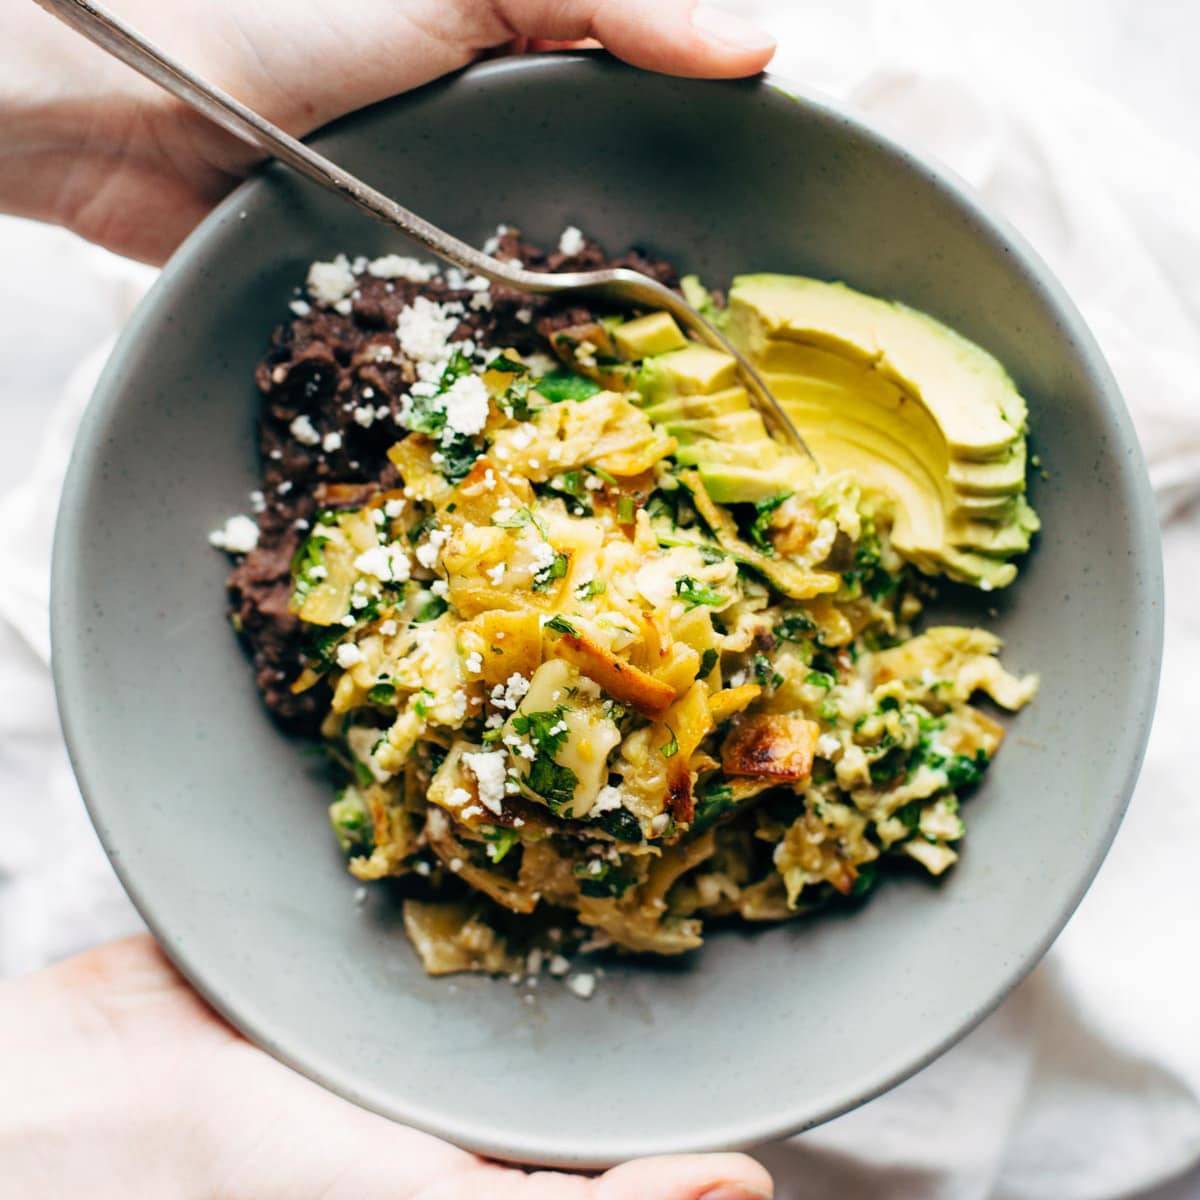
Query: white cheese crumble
[424,327]
[467,403]
[474,662]
[571,242]
[607,798]
[496,573]
[510,693]
[331,442]
[428,551]
[329,282]
[348,655]
[458,798]
[401,266]
[300,307]
[239,535]
[387,563]
[828,744]
[388,628]
[303,430]
[364,415]
[488,767]
[582,985]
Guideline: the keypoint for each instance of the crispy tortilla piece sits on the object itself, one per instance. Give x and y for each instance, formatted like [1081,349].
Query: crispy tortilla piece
[621,680]
[768,746]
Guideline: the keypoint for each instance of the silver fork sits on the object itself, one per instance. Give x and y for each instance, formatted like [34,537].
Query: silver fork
[621,286]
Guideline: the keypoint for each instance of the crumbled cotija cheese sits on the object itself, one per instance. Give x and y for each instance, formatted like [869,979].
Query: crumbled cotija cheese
[467,403]
[329,282]
[488,767]
[400,266]
[303,430]
[348,655]
[239,535]
[582,985]
[424,328]
[387,563]
[571,241]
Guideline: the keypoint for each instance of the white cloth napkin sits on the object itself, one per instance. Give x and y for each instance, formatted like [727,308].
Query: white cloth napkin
[1085,1085]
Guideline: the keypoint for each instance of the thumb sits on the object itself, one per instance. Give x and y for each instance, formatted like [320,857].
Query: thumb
[679,37]
[686,1177]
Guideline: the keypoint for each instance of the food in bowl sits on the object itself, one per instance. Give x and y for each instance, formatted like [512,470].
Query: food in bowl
[598,660]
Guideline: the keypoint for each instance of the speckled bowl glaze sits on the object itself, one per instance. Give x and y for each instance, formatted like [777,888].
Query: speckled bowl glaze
[216,823]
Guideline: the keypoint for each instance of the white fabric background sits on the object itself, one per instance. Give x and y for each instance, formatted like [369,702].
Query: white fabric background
[1077,121]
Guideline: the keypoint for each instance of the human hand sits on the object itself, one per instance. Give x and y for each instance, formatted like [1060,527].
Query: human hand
[87,143]
[120,1081]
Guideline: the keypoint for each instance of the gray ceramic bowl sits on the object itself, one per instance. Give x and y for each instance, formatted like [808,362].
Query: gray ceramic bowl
[216,823]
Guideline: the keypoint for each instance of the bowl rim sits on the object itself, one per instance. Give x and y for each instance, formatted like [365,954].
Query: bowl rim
[536,1146]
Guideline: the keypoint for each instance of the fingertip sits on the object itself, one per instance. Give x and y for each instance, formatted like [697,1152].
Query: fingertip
[680,38]
[687,1177]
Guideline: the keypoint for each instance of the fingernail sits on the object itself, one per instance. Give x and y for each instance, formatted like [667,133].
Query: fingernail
[721,25]
[734,1191]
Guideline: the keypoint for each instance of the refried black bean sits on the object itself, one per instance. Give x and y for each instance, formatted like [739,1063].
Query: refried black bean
[347,375]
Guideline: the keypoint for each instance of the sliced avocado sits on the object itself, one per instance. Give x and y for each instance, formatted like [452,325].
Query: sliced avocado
[688,408]
[966,390]
[655,333]
[693,370]
[1006,475]
[907,406]
[738,427]
[997,509]
[711,453]
[728,483]
[1003,540]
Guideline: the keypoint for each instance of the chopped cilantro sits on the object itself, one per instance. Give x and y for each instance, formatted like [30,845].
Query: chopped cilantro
[554,783]
[714,798]
[500,841]
[670,748]
[693,593]
[458,455]
[622,824]
[593,587]
[544,577]
[519,519]
[866,877]
[764,673]
[561,384]
[763,511]
[604,879]
[351,822]
[362,774]
[625,510]
[431,610]
[382,693]
[964,772]
[708,660]
[560,624]
[820,679]
[570,485]
[510,366]
[795,627]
